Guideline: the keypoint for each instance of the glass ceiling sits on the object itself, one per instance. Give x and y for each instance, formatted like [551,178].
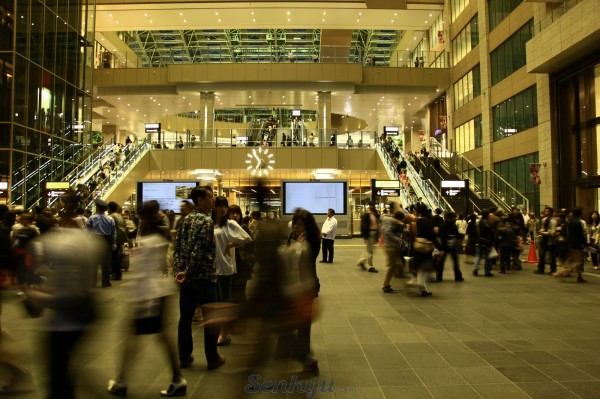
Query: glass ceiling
[164,47]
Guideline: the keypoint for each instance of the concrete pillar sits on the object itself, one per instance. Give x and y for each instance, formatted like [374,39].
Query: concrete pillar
[324,118]
[207,118]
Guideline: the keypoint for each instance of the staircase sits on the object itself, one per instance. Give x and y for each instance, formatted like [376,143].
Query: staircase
[436,170]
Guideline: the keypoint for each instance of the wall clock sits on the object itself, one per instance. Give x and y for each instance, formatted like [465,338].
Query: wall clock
[260,162]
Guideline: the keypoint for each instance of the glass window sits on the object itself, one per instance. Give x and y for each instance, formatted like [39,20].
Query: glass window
[457,7]
[467,88]
[466,40]
[468,135]
[500,9]
[515,115]
[510,55]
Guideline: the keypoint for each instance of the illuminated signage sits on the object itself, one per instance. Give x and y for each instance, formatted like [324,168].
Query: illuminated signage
[391,130]
[57,185]
[152,127]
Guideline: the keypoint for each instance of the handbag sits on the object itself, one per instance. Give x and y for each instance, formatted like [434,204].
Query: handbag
[423,245]
[493,254]
[7,278]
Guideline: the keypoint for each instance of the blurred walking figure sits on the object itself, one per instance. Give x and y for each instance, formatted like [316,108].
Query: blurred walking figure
[149,294]
[71,258]
[302,287]
[368,230]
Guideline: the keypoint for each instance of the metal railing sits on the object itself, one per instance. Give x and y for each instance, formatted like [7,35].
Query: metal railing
[86,168]
[270,54]
[254,137]
[106,186]
[405,197]
[491,185]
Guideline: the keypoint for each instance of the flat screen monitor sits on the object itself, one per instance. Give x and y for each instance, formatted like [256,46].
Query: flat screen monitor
[314,196]
[168,194]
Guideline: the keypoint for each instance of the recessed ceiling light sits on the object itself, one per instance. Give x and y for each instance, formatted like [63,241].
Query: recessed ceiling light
[216,13]
[219,19]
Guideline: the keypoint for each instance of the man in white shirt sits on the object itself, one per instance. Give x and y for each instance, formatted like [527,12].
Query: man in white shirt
[328,233]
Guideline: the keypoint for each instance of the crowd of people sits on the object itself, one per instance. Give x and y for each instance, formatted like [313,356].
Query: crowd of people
[418,242]
[208,253]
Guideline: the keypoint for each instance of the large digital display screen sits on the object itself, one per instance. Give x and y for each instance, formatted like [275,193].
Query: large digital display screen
[316,197]
[168,194]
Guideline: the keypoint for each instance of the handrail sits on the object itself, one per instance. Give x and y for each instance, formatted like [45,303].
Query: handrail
[512,193]
[442,202]
[405,198]
[110,182]
[492,182]
[270,54]
[84,168]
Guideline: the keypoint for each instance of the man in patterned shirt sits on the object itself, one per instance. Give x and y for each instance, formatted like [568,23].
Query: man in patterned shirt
[195,272]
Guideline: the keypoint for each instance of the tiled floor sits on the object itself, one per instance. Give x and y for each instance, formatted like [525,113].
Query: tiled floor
[513,336]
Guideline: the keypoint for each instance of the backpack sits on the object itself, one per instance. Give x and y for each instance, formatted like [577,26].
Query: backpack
[365,221]
[404,235]
[22,237]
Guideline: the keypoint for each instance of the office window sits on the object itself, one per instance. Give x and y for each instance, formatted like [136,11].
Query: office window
[465,41]
[510,55]
[457,7]
[500,9]
[467,88]
[516,173]
[436,32]
[515,114]
[468,135]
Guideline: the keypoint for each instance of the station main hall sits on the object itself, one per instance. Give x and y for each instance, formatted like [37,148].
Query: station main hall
[462,105]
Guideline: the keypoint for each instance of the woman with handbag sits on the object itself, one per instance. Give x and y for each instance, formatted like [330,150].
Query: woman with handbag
[304,244]
[424,241]
[148,294]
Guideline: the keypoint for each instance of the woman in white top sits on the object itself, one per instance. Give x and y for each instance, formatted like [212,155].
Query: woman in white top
[228,235]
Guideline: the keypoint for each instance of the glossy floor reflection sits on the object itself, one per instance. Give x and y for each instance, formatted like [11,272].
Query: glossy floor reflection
[518,335]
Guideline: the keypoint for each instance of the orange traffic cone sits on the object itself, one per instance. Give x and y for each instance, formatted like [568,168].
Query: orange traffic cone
[532,258]
[381,240]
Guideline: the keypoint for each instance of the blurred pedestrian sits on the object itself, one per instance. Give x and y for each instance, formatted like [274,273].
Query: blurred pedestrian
[149,294]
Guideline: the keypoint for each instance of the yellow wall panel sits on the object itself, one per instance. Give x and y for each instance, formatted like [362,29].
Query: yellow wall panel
[200,73]
[252,71]
[227,72]
[328,72]
[119,77]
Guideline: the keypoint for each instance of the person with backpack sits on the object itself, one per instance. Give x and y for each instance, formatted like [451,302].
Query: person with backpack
[21,236]
[451,243]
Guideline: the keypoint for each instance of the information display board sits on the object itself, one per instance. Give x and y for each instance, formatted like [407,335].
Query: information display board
[152,127]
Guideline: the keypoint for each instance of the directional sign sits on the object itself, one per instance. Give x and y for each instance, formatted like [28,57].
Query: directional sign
[394,192]
[454,188]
